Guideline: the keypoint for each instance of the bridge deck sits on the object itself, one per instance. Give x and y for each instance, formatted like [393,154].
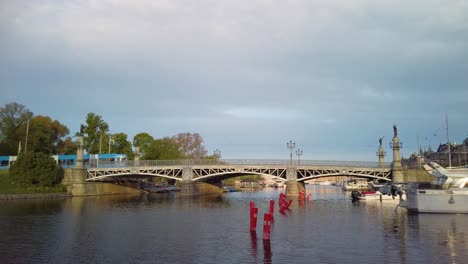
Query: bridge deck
[201,170]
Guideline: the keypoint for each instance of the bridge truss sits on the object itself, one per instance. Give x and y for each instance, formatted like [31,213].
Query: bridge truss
[215,172]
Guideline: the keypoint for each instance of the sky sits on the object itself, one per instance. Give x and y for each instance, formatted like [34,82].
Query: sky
[333,76]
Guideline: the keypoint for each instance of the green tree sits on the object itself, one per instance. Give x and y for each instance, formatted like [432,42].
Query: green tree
[95,132]
[45,135]
[67,146]
[216,155]
[191,145]
[36,168]
[142,140]
[12,117]
[122,145]
[163,149]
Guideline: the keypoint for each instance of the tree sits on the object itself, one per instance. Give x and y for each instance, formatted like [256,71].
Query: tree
[36,168]
[12,117]
[216,155]
[67,146]
[45,135]
[465,142]
[142,140]
[191,145]
[95,130]
[122,145]
[163,149]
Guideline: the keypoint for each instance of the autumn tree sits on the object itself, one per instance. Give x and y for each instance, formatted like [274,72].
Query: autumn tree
[163,149]
[13,117]
[94,133]
[191,145]
[142,140]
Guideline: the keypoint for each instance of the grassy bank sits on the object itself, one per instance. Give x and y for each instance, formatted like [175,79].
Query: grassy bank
[8,186]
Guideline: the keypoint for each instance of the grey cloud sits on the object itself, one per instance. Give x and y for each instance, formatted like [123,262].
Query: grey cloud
[333,75]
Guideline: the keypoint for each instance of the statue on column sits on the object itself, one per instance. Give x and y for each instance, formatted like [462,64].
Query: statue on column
[395,130]
[81,130]
[380,141]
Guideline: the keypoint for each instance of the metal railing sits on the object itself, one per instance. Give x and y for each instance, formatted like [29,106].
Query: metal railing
[238,162]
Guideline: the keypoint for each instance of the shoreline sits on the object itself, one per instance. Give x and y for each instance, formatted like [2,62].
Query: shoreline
[33,196]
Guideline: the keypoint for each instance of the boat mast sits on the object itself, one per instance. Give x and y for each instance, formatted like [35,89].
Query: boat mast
[448,141]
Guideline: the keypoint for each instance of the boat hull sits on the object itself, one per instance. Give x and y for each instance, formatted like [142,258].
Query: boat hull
[378,196]
[437,201]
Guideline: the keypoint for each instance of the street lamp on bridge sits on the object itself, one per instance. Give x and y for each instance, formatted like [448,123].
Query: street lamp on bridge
[299,154]
[291,145]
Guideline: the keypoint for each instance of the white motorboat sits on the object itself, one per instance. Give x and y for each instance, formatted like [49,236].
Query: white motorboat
[449,194]
[355,184]
[384,194]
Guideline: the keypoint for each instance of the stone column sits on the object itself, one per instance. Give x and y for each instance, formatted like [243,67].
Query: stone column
[80,154]
[397,169]
[381,155]
[137,156]
[137,153]
[187,186]
[292,186]
[75,178]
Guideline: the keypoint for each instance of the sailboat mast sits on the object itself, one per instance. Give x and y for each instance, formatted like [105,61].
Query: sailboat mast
[448,142]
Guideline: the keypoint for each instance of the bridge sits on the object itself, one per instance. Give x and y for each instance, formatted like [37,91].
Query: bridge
[215,171]
[218,170]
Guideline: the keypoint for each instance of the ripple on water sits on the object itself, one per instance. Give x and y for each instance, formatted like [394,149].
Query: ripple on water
[169,229]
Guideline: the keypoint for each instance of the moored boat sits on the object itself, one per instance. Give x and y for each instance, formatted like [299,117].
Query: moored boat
[355,184]
[449,194]
[385,193]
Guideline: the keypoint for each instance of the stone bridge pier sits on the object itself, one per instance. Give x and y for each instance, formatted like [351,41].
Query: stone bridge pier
[293,187]
[190,188]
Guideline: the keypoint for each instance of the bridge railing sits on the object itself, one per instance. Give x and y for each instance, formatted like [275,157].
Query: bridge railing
[241,162]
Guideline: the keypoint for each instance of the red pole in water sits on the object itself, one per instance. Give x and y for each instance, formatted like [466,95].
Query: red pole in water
[301,195]
[252,204]
[272,206]
[267,226]
[253,218]
[281,200]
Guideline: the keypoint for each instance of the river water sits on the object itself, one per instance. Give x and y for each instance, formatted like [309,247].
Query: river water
[165,228]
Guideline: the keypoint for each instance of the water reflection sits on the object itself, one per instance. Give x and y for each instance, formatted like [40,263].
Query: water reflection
[253,244]
[165,228]
[267,256]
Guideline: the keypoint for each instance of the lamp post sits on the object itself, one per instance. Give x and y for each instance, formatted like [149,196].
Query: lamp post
[464,153]
[26,141]
[291,145]
[100,142]
[299,154]
[110,140]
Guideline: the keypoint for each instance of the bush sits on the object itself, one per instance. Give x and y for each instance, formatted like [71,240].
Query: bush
[36,169]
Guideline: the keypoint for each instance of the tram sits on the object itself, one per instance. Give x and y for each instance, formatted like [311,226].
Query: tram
[69,161]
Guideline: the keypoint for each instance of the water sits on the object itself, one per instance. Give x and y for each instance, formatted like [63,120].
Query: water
[164,228]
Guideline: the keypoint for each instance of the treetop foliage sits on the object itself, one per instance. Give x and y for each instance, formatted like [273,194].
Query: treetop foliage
[43,133]
[51,137]
[191,145]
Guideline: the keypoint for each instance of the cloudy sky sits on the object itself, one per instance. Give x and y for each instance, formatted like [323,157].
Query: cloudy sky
[248,75]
